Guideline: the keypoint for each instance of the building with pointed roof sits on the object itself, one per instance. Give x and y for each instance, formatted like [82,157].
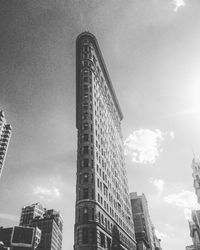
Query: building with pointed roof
[103,218]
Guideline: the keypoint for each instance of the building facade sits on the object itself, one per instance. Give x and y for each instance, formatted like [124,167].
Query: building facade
[144,230]
[156,240]
[103,211]
[194,225]
[50,222]
[5,134]
[31,212]
[20,238]
[191,247]
[196,176]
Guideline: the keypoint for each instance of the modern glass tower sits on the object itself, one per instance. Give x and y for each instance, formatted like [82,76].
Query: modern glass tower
[5,134]
[103,210]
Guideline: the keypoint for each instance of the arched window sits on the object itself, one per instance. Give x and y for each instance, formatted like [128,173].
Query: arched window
[85,177]
[85,214]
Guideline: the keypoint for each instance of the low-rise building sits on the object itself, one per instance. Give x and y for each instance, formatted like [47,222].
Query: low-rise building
[50,222]
[20,238]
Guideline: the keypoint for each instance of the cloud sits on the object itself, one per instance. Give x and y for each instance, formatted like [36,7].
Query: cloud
[178,4]
[9,217]
[185,199]
[144,145]
[160,235]
[188,213]
[158,183]
[46,192]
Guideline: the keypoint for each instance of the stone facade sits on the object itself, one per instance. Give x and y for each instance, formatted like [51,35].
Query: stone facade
[102,198]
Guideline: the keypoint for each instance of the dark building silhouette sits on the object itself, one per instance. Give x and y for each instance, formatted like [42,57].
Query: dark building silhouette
[5,134]
[102,196]
[50,223]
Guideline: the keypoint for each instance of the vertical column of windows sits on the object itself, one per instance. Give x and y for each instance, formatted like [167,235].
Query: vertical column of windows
[85,145]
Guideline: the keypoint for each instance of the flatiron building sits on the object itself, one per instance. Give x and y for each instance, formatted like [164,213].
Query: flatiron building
[103,218]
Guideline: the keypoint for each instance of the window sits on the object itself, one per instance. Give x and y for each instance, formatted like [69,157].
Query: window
[93,235]
[85,115]
[80,179]
[108,243]
[85,125]
[85,163]
[86,88]
[85,79]
[102,240]
[85,137]
[86,96]
[106,223]
[85,177]
[85,193]
[94,60]
[85,106]
[99,217]
[85,235]
[92,213]
[85,48]
[85,214]
[79,214]
[85,150]
[102,219]
[78,236]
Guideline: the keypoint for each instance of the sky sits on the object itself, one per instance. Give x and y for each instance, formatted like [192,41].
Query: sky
[151,50]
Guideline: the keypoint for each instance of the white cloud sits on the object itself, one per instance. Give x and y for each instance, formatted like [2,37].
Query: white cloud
[46,192]
[188,213]
[185,199]
[178,4]
[144,145]
[160,235]
[159,184]
[9,217]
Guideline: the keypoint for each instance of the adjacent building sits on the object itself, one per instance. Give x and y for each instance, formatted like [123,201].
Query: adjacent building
[20,238]
[103,210]
[196,176]
[157,241]
[31,212]
[5,134]
[144,230]
[194,225]
[50,222]
[191,247]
